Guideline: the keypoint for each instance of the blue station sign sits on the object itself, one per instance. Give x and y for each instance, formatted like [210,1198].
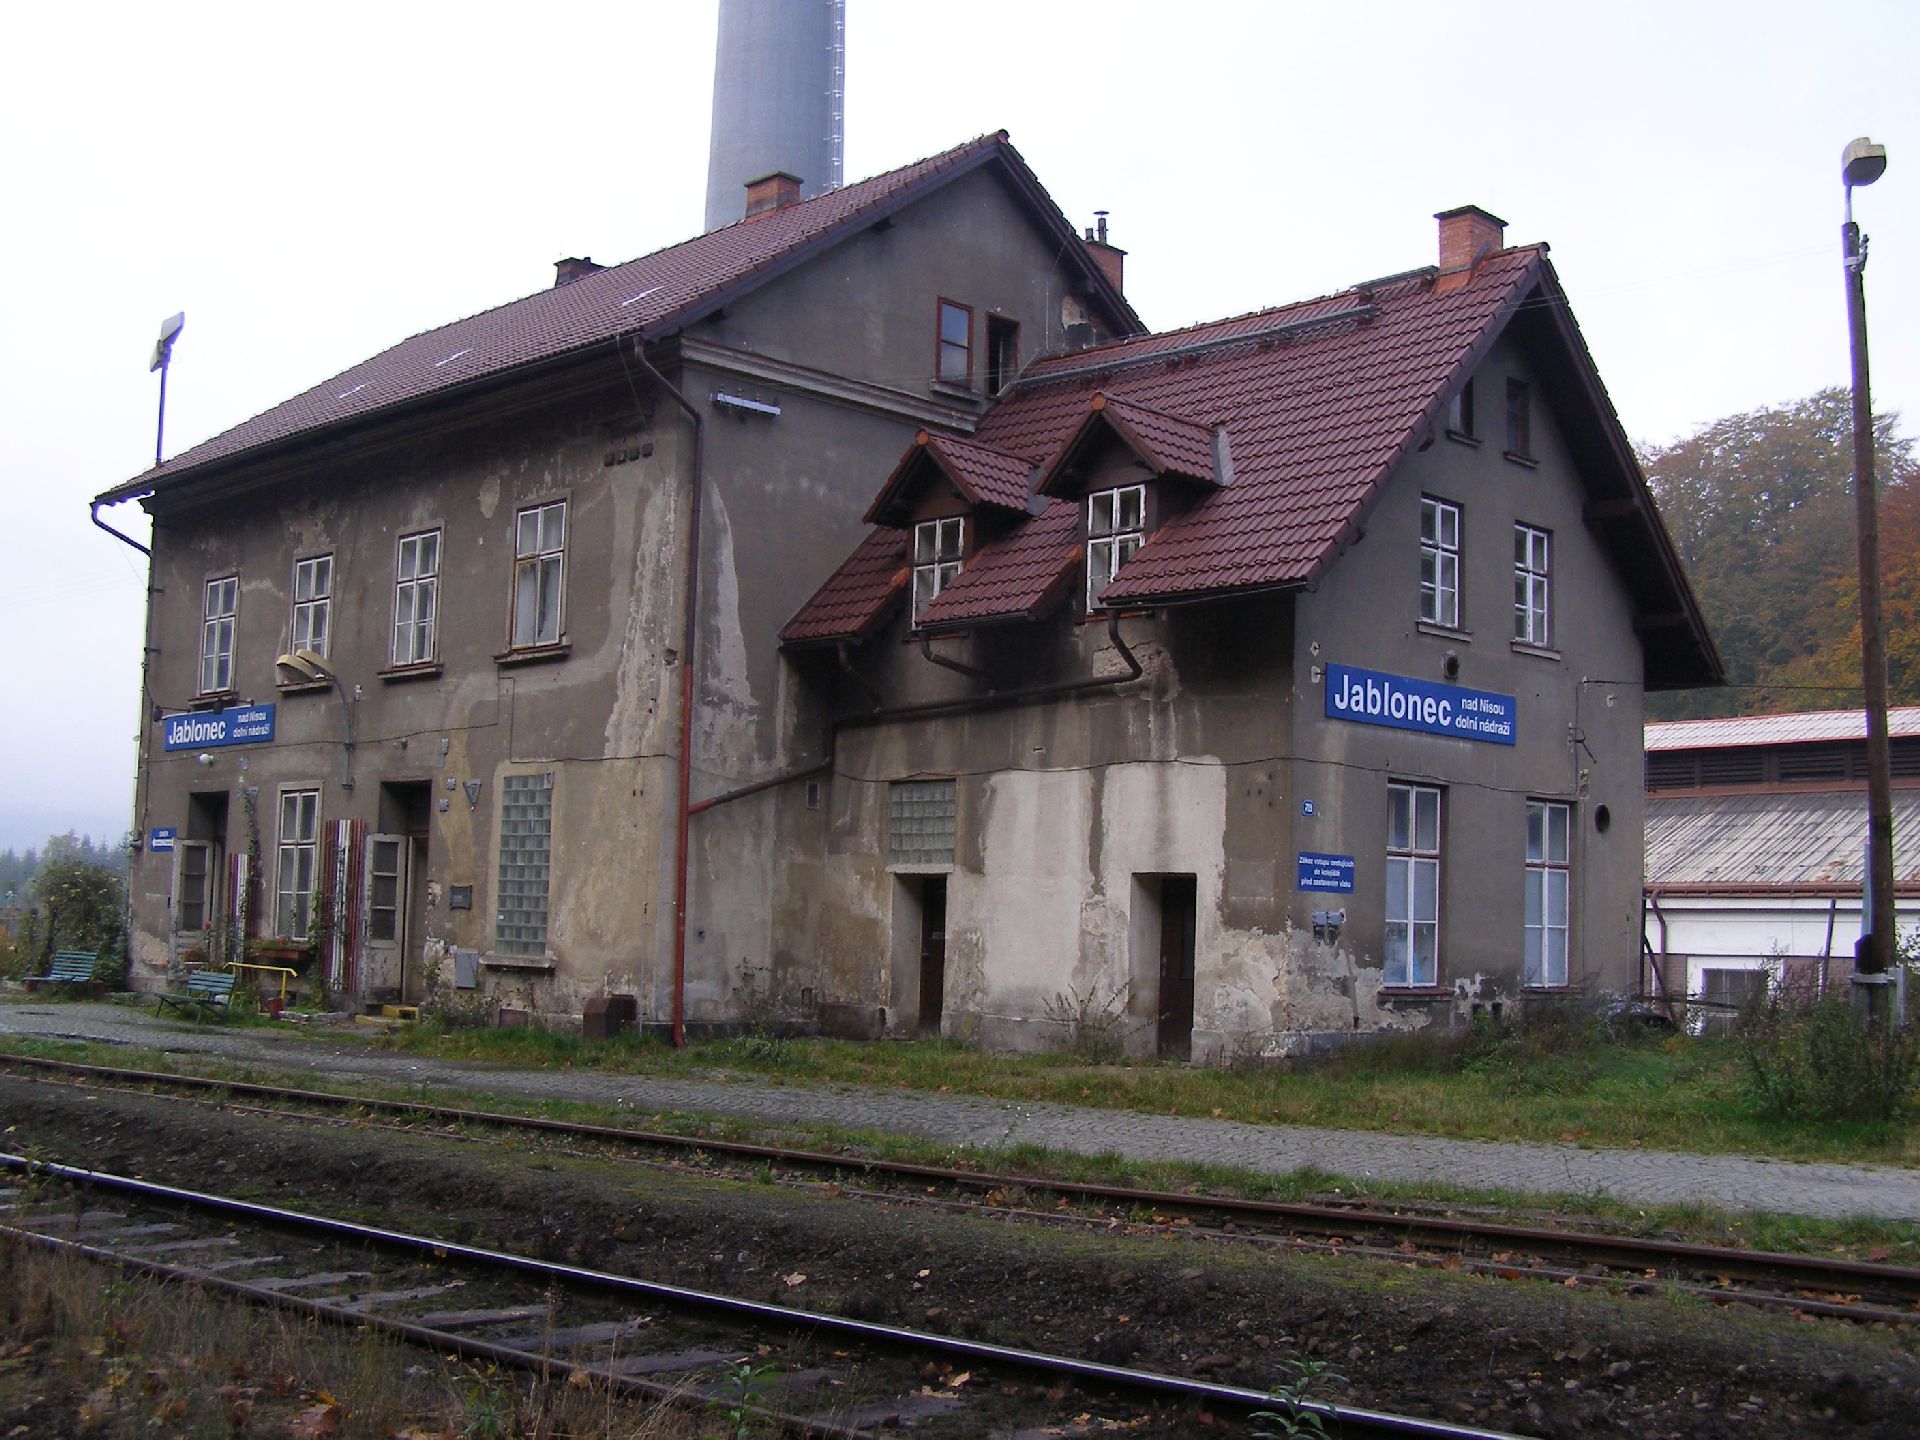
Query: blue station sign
[204,729]
[1333,873]
[161,838]
[1401,702]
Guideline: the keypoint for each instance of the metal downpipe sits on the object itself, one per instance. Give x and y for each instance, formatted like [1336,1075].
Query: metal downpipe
[690,610]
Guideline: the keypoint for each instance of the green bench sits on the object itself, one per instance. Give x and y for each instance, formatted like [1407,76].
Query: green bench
[69,967]
[208,992]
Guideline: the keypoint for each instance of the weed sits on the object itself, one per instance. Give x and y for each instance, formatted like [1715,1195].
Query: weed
[1300,1409]
[744,1387]
[1094,1030]
[1822,1062]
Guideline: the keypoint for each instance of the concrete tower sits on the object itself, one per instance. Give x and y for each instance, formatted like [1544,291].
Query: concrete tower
[777,99]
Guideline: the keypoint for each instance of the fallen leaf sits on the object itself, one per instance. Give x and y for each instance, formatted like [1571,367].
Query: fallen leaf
[956,1381]
[314,1423]
[795,1279]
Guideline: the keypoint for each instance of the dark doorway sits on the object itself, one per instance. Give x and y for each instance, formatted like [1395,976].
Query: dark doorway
[396,886]
[933,952]
[1178,902]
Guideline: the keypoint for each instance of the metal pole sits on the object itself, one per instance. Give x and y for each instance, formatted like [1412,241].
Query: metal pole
[1874,954]
[160,427]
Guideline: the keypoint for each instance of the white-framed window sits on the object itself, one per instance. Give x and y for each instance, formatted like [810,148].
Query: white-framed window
[218,612]
[955,358]
[1116,522]
[416,597]
[1413,886]
[539,554]
[298,859]
[312,603]
[1532,585]
[937,548]
[1548,876]
[526,856]
[1440,562]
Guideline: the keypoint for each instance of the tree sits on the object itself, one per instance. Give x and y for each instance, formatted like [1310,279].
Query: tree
[82,906]
[1760,507]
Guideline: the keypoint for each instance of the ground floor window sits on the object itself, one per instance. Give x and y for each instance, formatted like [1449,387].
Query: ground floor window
[526,853]
[1413,886]
[298,856]
[920,822]
[1547,885]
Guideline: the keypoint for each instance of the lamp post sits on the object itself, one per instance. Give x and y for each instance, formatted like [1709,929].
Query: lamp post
[1862,163]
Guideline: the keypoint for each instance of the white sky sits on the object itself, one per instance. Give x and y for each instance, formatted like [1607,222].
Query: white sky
[313,183]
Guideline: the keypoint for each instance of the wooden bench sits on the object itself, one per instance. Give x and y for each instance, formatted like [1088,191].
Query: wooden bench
[208,992]
[69,967]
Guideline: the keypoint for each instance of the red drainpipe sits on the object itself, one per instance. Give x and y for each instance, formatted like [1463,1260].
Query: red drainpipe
[689,607]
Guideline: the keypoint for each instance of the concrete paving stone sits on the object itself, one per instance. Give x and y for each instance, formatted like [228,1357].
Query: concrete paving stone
[1640,1177]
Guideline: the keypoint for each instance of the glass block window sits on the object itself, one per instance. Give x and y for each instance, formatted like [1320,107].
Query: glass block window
[920,823]
[526,852]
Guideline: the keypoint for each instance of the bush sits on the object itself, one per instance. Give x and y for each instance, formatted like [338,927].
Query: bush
[1822,1061]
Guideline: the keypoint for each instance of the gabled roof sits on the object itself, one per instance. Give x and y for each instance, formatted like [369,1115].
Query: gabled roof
[653,296]
[982,475]
[1320,402]
[1169,444]
[1809,727]
[857,596]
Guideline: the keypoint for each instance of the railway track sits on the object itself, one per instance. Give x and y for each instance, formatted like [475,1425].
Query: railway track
[815,1375]
[1826,1286]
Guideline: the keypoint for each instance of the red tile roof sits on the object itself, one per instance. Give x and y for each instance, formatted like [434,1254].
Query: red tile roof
[1169,444]
[1014,577]
[982,475]
[857,596]
[1319,400]
[653,295]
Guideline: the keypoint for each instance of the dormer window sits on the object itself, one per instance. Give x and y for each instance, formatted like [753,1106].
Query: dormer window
[1116,520]
[955,360]
[937,548]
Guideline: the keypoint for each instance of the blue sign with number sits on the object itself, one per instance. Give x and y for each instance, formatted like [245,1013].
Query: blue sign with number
[205,729]
[1332,873]
[1401,702]
[161,837]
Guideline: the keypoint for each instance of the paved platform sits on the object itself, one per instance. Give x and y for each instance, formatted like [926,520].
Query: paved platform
[1638,1177]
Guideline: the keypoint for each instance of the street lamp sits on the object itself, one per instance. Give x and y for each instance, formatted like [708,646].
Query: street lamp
[1862,163]
[309,667]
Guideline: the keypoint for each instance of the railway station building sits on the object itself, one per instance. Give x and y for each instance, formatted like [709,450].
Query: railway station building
[854,617]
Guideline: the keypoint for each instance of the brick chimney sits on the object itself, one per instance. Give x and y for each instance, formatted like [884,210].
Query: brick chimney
[772,192]
[565,272]
[1466,234]
[1111,259]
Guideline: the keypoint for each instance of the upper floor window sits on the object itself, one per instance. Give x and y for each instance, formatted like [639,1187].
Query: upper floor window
[1116,521]
[312,602]
[1003,353]
[956,344]
[1460,412]
[937,548]
[540,544]
[416,597]
[1413,886]
[1548,872]
[1532,591]
[1440,562]
[217,615]
[1519,419]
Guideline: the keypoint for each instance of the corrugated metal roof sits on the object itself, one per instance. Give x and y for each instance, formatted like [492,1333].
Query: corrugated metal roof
[1809,839]
[1797,729]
